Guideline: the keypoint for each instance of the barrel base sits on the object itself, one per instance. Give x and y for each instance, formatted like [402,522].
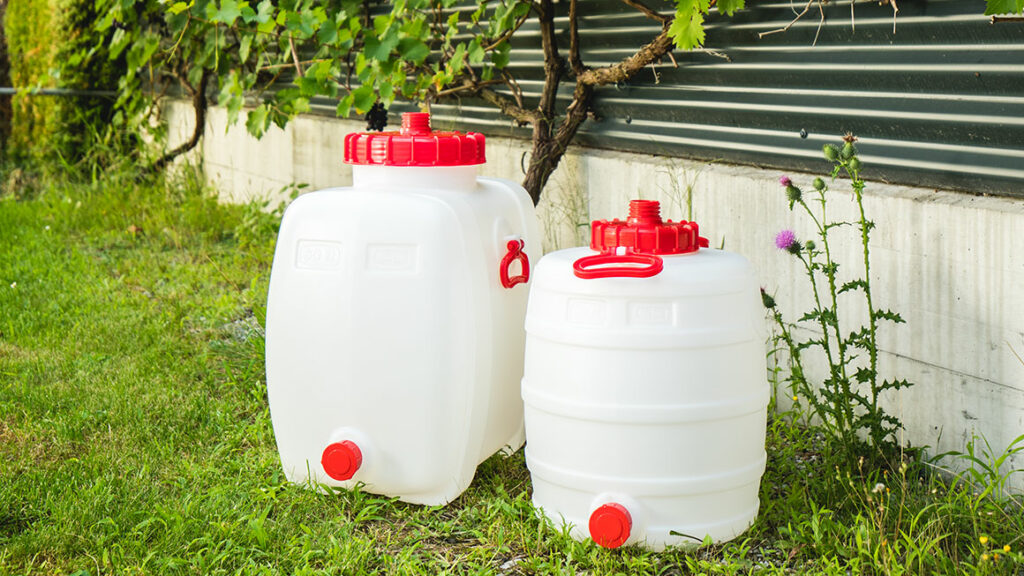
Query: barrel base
[657,522]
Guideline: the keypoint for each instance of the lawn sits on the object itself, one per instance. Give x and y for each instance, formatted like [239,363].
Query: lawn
[135,436]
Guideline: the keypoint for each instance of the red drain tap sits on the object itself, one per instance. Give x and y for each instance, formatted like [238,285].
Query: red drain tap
[610,525]
[341,460]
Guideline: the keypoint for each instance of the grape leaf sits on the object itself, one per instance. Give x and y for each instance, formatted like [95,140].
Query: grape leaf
[414,27]
[257,121]
[687,30]
[363,97]
[266,10]
[1004,7]
[344,106]
[302,23]
[381,24]
[387,92]
[244,46]
[500,55]
[729,7]
[227,13]
[458,60]
[118,42]
[413,50]
[380,49]
[178,8]
[230,96]
[328,32]
[476,51]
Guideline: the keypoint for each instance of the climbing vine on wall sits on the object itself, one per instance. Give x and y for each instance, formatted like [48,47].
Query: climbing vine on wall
[363,52]
[360,53]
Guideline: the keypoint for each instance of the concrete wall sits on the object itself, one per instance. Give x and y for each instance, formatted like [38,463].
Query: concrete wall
[951,264]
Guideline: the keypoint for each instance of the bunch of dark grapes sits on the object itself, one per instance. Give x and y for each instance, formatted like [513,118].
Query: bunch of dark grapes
[377,118]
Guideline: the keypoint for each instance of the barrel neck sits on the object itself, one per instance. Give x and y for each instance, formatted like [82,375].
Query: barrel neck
[456,178]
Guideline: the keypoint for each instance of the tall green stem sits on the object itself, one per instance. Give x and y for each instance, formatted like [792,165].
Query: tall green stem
[837,370]
[826,346]
[830,273]
[865,233]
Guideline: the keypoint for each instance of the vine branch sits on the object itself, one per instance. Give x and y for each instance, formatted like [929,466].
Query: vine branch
[507,106]
[622,71]
[574,40]
[199,104]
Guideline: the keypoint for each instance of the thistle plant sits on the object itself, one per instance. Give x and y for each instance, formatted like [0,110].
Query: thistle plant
[846,402]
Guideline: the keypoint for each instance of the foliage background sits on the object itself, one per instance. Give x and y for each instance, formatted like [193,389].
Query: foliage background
[31,29]
[5,80]
[50,44]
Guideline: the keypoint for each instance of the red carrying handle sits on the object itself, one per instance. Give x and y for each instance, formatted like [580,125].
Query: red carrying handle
[585,267]
[515,252]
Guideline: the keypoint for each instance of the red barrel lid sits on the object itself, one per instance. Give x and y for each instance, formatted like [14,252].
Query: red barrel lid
[341,460]
[644,232]
[415,145]
[610,525]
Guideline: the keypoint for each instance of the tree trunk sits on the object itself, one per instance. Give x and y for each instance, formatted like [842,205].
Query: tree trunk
[200,103]
[550,141]
[550,145]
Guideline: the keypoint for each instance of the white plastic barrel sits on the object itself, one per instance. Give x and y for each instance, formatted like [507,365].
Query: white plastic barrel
[395,318]
[645,386]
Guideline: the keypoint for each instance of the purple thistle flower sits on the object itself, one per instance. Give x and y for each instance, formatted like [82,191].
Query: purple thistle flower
[785,181]
[785,239]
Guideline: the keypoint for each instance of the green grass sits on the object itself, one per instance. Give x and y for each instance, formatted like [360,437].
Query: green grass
[135,436]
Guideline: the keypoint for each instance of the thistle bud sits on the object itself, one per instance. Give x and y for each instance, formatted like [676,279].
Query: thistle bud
[767,299]
[849,151]
[793,193]
[854,164]
[810,245]
[831,152]
[819,184]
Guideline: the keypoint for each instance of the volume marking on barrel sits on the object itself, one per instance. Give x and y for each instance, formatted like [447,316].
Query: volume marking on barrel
[392,257]
[318,255]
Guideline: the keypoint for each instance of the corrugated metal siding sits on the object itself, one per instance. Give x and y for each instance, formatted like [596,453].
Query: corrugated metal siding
[937,102]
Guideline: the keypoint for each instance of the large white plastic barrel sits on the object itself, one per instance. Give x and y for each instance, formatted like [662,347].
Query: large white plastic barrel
[395,318]
[645,386]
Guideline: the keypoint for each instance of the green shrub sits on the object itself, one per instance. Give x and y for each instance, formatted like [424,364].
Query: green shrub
[32,40]
[85,64]
[51,45]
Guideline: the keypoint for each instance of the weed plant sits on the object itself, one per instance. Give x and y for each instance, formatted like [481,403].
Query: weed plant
[135,436]
[847,400]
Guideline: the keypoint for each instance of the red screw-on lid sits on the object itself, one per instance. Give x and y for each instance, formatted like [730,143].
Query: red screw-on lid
[415,145]
[341,460]
[645,232]
[610,525]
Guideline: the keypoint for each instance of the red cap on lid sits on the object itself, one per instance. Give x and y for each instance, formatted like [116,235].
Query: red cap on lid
[645,232]
[610,525]
[642,237]
[415,145]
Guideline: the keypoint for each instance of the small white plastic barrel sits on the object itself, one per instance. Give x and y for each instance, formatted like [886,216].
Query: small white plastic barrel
[395,318]
[645,386]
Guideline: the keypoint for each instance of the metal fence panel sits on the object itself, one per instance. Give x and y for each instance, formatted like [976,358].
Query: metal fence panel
[935,95]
